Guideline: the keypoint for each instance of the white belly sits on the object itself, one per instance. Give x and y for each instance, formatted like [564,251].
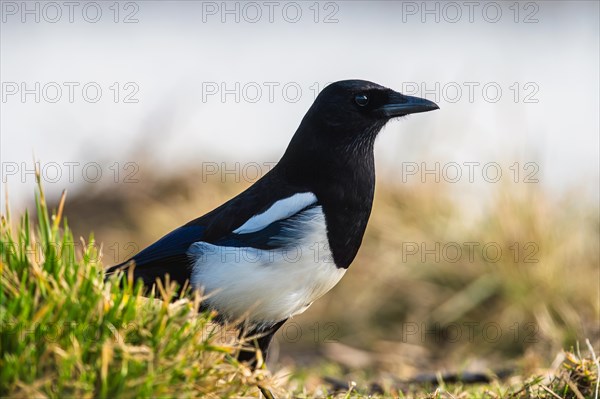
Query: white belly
[267,286]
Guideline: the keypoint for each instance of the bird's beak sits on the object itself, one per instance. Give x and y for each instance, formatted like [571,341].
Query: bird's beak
[400,105]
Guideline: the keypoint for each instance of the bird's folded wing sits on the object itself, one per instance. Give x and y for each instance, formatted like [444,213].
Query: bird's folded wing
[277,226]
[173,244]
[277,234]
[282,221]
[165,256]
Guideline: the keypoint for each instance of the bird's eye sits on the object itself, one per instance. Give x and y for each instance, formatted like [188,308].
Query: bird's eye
[361,99]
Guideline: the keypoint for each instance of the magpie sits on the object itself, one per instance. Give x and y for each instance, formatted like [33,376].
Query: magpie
[268,253]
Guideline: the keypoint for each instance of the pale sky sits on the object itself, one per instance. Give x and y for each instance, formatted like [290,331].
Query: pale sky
[185,83]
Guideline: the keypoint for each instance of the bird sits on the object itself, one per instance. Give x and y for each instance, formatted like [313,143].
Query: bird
[267,254]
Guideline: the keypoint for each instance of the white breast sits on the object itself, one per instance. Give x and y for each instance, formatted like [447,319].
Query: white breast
[266,286]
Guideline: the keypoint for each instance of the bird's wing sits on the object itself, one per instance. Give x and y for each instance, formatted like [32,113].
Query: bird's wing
[173,244]
[267,270]
[272,234]
[227,226]
[165,256]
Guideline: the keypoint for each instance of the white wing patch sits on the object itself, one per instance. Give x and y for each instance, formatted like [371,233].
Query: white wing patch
[267,286]
[281,209]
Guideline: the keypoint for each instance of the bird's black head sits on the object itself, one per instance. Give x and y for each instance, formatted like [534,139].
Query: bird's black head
[347,116]
[357,107]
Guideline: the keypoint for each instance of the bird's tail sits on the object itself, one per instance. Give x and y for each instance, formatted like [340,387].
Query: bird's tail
[125,267]
[149,273]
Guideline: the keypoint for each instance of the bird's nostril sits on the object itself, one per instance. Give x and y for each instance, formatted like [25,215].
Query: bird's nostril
[361,99]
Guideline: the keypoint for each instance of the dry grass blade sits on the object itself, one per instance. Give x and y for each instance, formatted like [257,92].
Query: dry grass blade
[61,205]
[545,388]
[597,363]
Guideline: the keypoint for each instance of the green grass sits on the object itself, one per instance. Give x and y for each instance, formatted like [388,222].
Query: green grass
[66,333]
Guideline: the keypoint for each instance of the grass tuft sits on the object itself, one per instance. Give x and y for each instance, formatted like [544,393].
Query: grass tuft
[66,333]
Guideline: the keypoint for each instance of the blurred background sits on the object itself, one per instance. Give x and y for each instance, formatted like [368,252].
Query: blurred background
[482,250]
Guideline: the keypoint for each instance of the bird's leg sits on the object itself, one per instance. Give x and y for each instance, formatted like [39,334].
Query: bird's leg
[262,342]
[265,336]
